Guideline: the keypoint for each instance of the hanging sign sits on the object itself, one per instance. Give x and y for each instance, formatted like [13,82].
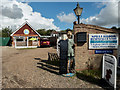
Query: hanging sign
[109,69]
[26,31]
[103,41]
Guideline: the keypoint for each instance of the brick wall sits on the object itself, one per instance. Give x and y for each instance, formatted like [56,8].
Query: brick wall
[83,55]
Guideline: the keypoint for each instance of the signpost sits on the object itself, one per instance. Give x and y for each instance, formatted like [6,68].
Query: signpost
[63,56]
[103,41]
[109,69]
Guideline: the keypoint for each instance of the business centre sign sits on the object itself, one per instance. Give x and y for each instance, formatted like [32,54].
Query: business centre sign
[103,41]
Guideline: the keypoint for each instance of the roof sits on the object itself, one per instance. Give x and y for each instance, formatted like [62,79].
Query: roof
[54,32]
[22,26]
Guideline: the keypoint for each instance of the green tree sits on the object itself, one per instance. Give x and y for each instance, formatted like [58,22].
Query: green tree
[41,31]
[119,28]
[48,32]
[114,28]
[1,33]
[66,30]
[6,32]
[45,32]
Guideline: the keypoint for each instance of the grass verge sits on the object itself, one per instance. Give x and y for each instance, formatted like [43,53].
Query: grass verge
[25,48]
[93,76]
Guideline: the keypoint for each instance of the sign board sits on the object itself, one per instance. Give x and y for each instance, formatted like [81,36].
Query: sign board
[109,69]
[118,58]
[26,31]
[63,56]
[103,51]
[81,37]
[103,41]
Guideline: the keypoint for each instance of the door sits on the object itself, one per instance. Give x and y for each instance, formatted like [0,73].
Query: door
[30,42]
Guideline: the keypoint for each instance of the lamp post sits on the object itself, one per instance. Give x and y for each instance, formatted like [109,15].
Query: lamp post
[78,11]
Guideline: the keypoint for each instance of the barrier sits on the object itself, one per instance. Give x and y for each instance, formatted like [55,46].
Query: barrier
[53,57]
[109,69]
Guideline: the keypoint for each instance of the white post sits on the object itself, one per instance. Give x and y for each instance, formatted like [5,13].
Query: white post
[115,71]
[15,42]
[103,67]
[37,40]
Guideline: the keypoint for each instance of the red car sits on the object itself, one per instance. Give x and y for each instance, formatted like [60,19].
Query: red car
[45,42]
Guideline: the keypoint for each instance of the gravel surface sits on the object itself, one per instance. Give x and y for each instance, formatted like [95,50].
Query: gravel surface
[27,69]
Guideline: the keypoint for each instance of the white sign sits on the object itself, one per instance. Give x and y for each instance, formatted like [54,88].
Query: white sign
[118,58]
[109,69]
[26,31]
[103,41]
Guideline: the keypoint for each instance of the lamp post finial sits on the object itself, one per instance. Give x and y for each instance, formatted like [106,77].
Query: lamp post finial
[78,4]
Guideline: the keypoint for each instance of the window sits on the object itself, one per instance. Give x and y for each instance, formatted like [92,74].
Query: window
[29,37]
[19,39]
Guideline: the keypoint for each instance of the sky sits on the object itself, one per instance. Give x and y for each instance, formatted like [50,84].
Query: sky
[57,15]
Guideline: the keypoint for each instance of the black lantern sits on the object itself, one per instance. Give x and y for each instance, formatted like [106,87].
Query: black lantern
[78,11]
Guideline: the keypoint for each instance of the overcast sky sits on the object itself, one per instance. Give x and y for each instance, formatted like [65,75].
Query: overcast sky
[57,15]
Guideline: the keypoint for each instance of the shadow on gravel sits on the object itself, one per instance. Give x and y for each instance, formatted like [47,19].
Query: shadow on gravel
[46,65]
[100,82]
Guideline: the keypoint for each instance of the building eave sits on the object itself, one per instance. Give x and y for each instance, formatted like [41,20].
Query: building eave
[22,26]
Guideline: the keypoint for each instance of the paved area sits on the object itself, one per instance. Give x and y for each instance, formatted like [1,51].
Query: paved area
[27,69]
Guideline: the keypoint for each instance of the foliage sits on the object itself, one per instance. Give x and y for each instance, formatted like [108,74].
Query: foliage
[26,48]
[66,30]
[48,32]
[90,75]
[115,28]
[45,32]
[6,32]
[41,31]
[1,33]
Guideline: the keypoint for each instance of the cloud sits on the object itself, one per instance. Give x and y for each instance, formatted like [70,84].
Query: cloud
[108,16]
[100,4]
[69,18]
[15,13]
[119,14]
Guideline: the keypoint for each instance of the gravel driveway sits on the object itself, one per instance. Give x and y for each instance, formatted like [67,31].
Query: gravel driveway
[27,69]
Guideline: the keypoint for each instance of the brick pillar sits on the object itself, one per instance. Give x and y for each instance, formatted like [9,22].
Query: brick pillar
[81,50]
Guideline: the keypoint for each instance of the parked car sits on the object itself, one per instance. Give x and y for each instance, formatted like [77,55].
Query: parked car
[45,42]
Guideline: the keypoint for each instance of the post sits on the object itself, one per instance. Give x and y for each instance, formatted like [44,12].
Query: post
[15,42]
[78,20]
[27,41]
